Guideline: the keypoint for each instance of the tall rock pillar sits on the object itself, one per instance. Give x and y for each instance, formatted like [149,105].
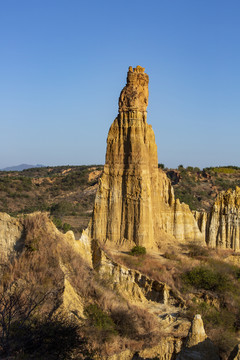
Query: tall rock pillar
[135,202]
[127,199]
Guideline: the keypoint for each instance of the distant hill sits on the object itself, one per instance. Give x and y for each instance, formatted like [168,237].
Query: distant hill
[21,167]
[67,192]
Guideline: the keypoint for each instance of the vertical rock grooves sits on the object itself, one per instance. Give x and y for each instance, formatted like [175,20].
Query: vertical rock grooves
[135,202]
[222,225]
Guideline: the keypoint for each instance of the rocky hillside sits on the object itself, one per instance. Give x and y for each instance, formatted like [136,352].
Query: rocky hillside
[68,192]
[108,304]
[147,279]
[199,188]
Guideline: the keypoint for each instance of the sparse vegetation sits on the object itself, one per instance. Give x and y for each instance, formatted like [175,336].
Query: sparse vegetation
[224,169]
[100,320]
[67,192]
[209,285]
[61,226]
[198,188]
[32,290]
[202,277]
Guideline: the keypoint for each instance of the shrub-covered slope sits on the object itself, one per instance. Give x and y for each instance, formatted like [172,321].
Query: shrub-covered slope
[198,188]
[68,192]
[54,306]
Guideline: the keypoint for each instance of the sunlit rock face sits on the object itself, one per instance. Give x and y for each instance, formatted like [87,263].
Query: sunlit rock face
[135,201]
[198,345]
[11,236]
[221,225]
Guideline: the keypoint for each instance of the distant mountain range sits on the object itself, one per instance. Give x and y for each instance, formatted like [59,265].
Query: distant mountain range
[21,167]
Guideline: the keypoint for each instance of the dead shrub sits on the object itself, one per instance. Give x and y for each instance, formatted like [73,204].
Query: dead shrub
[170,255]
[134,322]
[78,271]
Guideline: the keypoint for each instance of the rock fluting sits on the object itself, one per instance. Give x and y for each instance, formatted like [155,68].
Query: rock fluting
[221,226]
[135,201]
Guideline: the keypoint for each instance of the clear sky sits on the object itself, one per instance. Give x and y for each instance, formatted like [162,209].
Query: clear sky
[63,64]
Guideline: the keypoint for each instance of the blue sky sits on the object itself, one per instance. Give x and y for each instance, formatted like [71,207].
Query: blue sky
[63,64]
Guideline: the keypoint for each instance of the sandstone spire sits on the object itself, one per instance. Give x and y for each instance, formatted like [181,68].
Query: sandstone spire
[124,207]
[135,201]
[197,332]
[198,345]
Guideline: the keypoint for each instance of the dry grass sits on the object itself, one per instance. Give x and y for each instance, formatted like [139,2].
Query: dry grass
[224,339]
[135,327]
[154,267]
[46,253]
[38,263]
[218,303]
[40,268]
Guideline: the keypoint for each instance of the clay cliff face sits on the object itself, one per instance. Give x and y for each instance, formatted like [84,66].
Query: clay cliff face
[11,234]
[221,226]
[135,201]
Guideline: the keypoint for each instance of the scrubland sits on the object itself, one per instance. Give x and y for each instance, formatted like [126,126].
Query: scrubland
[33,285]
[68,192]
[33,290]
[207,279]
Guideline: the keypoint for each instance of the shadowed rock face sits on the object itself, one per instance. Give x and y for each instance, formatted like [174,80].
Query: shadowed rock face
[235,354]
[135,201]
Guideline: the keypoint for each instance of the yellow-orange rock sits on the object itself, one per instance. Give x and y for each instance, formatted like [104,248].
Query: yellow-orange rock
[135,201]
[11,236]
[222,225]
[198,345]
[134,95]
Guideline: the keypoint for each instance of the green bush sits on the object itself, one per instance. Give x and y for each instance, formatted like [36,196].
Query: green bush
[138,250]
[66,227]
[58,223]
[100,319]
[202,277]
[62,208]
[185,195]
